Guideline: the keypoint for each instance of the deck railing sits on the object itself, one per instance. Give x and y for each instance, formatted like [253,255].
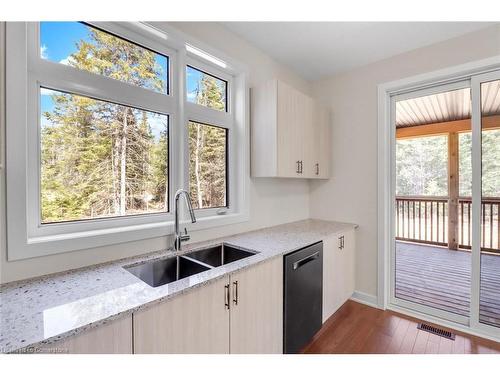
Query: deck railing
[422,219]
[425,219]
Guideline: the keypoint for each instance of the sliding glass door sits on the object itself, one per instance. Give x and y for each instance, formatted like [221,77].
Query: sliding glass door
[445,258]
[432,169]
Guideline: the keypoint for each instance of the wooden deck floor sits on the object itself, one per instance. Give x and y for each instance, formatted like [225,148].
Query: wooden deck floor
[440,278]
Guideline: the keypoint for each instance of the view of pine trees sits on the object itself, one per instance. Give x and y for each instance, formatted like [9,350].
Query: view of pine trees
[100,159]
[207,165]
[422,165]
[207,146]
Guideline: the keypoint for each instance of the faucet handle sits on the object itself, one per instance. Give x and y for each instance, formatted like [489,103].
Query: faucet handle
[185,236]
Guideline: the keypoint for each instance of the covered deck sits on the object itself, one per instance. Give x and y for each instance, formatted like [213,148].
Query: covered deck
[440,278]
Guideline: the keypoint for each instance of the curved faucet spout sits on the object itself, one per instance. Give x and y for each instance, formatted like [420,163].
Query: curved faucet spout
[179,237]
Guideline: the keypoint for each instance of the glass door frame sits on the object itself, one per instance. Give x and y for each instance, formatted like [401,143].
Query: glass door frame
[393,300]
[476,81]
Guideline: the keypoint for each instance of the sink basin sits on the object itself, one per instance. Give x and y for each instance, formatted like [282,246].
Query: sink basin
[164,271]
[216,256]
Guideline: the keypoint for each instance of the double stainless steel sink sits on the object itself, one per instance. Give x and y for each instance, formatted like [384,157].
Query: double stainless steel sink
[164,271]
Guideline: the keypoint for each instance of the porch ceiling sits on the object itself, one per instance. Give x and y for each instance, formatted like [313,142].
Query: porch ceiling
[446,106]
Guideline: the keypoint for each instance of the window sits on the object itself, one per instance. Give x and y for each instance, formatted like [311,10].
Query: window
[207,165]
[100,159]
[206,89]
[88,48]
[101,134]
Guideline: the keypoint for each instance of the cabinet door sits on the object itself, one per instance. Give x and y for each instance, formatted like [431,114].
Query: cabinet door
[330,282]
[308,137]
[196,322]
[322,143]
[338,271]
[257,309]
[114,337]
[289,135]
[349,263]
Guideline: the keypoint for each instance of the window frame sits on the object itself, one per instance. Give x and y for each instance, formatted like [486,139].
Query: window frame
[27,72]
[221,119]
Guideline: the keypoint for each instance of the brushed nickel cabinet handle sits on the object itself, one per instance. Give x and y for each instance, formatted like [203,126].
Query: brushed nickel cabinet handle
[235,292]
[226,296]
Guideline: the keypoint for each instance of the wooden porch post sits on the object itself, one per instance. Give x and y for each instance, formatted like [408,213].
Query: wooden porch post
[453,191]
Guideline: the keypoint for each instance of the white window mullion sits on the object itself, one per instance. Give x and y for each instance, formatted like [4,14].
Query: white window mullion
[65,78]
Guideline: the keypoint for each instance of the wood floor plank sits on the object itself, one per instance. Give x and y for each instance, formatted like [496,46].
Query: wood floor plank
[432,347]
[445,346]
[421,342]
[399,335]
[409,339]
[359,329]
[458,346]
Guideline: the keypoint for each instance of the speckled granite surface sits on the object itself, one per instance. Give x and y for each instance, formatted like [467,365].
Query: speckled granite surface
[47,309]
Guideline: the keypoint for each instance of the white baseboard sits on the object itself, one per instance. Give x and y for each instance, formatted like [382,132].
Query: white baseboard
[365,298]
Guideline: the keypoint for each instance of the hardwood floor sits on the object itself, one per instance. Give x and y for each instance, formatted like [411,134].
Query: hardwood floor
[359,329]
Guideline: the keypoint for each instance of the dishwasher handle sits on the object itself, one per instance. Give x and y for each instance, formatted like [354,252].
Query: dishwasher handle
[307,259]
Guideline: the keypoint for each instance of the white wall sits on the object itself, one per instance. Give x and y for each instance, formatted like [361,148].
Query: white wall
[351,195]
[272,201]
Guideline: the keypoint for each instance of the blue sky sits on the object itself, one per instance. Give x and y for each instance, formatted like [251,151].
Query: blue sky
[58,40]
[194,76]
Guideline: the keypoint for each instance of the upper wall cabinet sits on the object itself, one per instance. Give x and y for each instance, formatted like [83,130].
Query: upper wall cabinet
[290,133]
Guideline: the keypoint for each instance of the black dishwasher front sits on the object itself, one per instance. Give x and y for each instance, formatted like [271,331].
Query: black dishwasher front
[303,296]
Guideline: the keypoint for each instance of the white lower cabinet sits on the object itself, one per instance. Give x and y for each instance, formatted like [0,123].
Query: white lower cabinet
[257,309]
[196,322]
[241,313]
[338,271]
[111,338]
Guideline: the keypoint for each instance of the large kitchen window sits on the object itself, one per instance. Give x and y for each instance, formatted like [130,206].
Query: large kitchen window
[100,159]
[102,133]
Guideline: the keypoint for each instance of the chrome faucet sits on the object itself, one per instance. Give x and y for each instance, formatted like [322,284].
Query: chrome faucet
[179,238]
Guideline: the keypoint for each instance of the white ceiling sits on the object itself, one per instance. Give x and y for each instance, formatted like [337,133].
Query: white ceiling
[320,49]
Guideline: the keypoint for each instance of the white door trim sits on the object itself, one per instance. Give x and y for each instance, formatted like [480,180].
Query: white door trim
[386,92]
[476,81]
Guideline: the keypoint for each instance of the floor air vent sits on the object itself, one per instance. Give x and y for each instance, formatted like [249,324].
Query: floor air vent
[436,331]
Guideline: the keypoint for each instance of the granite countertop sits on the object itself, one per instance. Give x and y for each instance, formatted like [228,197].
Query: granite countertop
[46,309]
